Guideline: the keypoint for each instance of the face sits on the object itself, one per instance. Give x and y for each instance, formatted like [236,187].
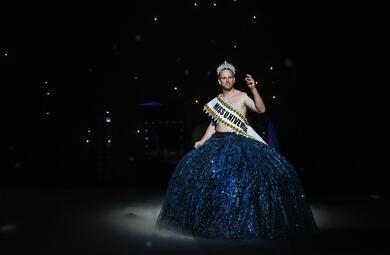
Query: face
[226,79]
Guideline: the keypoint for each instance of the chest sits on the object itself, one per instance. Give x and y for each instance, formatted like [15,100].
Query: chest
[238,103]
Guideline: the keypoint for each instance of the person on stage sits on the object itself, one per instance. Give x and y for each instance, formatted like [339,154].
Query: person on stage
[232,185]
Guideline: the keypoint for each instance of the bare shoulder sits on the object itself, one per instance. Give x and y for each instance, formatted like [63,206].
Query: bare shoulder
[240,93]
[245,98]
[243,95]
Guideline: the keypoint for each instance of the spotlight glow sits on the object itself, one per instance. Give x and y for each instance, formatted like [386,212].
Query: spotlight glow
[140,219]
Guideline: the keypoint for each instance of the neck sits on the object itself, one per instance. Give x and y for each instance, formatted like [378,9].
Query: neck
[228,93]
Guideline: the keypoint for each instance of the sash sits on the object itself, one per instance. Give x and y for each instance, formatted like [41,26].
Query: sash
[221,112]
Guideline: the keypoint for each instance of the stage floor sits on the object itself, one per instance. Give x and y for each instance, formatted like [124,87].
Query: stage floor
[121,220]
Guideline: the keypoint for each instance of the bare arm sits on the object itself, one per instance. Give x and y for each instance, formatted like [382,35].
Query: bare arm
[258,104]
[209,132]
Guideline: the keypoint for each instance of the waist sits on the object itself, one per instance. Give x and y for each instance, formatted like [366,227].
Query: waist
[224,133]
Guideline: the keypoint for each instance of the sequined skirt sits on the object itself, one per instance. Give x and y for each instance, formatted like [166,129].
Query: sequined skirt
[233,187]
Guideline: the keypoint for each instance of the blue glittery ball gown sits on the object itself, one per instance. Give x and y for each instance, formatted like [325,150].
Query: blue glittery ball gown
[236,188]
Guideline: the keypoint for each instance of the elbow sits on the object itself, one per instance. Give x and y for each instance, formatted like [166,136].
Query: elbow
[261,110]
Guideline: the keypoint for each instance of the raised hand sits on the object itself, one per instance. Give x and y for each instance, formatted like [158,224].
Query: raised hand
[250,81]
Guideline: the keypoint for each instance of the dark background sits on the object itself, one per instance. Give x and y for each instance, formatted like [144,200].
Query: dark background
[327,74]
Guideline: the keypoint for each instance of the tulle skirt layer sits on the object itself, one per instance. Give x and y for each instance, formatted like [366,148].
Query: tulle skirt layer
[233,187]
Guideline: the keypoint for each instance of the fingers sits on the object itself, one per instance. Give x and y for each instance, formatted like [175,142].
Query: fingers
[249,81]
[249,78]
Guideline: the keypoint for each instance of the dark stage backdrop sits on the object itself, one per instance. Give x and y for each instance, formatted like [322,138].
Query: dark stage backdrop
[97,95]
